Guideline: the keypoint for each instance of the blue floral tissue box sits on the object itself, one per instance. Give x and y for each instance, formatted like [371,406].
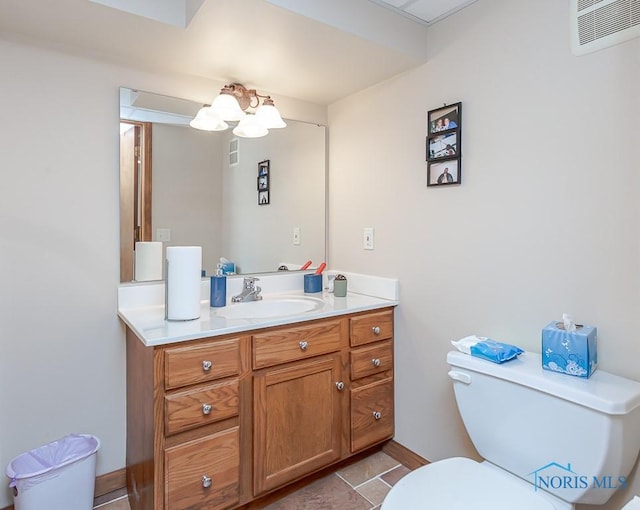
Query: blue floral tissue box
[572,353]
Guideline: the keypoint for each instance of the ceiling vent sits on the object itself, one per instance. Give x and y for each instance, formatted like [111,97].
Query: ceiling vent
[597,24]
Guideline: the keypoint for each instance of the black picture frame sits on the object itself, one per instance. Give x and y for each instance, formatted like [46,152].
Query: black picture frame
[444,145]
[444,172]
[263,197]
[437,118]
[262,181]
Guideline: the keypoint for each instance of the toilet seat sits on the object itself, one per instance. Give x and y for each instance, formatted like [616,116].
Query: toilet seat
[462,484]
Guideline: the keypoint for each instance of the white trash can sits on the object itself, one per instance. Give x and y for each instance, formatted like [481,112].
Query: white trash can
[60,475]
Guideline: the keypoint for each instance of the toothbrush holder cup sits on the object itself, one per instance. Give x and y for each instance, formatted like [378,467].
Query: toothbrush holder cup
[312,283]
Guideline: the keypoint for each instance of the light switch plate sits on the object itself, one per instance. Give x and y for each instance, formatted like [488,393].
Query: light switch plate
[296,236]
[163,234]
[368,238]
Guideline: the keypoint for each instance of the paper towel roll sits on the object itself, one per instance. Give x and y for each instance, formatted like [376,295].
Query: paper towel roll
[148,261]
[634,504]
[184,265]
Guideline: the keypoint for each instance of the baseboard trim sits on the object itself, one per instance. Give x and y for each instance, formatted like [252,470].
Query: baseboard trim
[105,484]
[110,482]
[403,455]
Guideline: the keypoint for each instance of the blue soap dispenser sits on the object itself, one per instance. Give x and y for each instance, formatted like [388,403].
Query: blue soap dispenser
[218,294]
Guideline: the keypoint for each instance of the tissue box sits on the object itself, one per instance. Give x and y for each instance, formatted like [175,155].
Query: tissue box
[572,353]
[227,268]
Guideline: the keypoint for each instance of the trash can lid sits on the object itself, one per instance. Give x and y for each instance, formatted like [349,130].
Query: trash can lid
[56,454]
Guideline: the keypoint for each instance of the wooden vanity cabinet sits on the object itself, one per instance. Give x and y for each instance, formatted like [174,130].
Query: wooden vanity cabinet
[218,422]
[186,424]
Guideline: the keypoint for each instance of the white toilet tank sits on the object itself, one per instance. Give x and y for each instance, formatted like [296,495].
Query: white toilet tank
[576,438]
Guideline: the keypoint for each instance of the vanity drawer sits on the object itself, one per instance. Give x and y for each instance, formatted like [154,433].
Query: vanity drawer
[371,360]
[204,473]
[371,414]
[201,363]
[193,408]
[371,327]
[292,344]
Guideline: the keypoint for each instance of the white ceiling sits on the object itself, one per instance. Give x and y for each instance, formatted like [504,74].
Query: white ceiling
[313,50]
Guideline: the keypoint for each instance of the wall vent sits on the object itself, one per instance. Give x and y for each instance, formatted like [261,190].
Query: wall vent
[234,152]
[598,24]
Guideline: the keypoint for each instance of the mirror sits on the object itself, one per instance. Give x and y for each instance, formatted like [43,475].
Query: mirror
[183,186]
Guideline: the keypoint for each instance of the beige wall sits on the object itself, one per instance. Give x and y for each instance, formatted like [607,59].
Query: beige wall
[260,237]
[187,191]
[547,217]
[62,359]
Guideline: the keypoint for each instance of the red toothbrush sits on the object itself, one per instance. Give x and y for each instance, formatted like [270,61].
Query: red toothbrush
[321,268]
[305,265]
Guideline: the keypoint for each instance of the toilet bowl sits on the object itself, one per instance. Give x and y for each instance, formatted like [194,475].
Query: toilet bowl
[459,483]
[542,435]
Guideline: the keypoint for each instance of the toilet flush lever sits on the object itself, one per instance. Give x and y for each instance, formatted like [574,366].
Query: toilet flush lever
[460,376]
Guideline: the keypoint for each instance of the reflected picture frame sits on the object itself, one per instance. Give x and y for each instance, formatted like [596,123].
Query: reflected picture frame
[263,182]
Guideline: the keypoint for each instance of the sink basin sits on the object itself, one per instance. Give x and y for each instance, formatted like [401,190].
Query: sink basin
[271,308]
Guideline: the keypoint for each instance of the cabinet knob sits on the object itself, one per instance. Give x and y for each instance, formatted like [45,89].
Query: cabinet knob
[376,362]
[303,345]
[206,408]
[340,385]
[206,481]
[206,365]
[376,330]
[377,415]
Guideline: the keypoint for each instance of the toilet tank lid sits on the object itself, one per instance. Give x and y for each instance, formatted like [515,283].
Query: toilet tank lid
[604,392]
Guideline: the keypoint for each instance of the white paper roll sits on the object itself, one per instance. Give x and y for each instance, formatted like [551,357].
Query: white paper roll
[148,261]
[184,266]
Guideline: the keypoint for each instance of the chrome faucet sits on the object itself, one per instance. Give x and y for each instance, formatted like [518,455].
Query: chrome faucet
[250,291]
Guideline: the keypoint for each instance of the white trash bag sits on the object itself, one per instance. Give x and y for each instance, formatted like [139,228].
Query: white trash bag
[59,475]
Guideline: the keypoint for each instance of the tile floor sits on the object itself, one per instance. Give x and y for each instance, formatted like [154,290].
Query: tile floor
[359,486]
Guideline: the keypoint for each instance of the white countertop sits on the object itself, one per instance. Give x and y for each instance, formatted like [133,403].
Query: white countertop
[145,313]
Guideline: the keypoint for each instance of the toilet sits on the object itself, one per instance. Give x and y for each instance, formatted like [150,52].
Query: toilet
[549,440]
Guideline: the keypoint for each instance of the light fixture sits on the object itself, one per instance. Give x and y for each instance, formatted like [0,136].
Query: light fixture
[269,115]
[207,120]
[250,127]
[230,106]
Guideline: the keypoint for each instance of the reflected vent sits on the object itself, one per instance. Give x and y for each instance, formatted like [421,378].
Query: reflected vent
[597,24]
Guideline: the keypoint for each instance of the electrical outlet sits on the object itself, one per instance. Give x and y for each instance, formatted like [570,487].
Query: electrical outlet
[296,236]
[368,238]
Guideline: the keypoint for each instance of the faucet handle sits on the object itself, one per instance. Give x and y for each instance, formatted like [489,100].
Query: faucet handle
[249,282]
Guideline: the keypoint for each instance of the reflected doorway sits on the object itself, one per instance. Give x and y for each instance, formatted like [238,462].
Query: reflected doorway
[135,191]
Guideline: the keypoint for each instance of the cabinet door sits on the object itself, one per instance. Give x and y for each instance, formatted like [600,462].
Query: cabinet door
[297,420]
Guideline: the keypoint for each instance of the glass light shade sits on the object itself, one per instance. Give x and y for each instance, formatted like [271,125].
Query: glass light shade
[250,127]
[206,120]
[227,108]
[269,116]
